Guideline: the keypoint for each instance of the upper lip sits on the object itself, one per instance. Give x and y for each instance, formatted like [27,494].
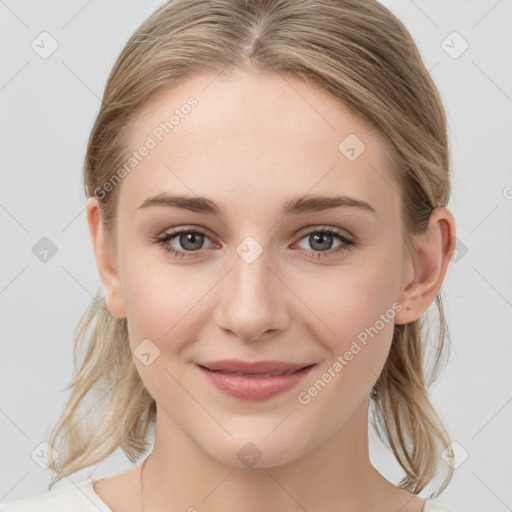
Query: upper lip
[239,366]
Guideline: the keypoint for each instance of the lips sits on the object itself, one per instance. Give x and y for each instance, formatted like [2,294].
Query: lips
[259,368]
[257,381]
[256,375]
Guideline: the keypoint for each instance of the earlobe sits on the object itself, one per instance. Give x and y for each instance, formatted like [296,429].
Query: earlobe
[105,259]
[430,257]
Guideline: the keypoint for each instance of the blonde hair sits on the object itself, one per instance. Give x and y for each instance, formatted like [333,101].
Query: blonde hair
[360,53]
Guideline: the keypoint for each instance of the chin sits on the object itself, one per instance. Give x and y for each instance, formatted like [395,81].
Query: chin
[257,451]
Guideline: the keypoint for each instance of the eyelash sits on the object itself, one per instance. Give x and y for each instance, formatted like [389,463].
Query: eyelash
[347,244]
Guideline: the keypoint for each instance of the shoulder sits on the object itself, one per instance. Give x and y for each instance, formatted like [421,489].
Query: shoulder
[432,506]
[78,498]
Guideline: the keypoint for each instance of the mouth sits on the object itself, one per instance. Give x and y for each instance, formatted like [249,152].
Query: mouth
[254,381]
[256,375]
[253,368]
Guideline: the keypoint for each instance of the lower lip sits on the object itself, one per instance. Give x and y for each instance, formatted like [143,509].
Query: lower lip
[254,388]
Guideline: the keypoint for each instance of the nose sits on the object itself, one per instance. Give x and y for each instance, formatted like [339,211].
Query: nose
[252,296]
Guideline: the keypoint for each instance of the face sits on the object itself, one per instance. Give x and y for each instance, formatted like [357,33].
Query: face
[311,286]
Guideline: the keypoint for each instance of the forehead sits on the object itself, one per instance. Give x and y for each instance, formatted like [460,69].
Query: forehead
[256,136]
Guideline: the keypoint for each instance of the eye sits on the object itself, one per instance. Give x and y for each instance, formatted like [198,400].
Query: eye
[321,240]
[191,242]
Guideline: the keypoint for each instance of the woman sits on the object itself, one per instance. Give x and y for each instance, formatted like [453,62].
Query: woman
[267,185]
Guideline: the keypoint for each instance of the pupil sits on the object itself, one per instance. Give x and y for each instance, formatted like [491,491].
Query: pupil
[194,238]
[327,239]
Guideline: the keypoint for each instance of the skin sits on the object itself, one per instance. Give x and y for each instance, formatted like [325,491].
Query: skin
[255,140]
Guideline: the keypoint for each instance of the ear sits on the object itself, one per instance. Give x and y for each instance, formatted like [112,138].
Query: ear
[427,263]
[105,259]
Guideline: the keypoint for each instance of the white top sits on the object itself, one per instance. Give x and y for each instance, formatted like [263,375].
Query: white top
[83,498]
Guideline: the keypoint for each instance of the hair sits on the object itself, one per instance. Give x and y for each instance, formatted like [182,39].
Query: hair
[356,51]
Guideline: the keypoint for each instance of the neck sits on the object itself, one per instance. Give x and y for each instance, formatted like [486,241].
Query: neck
[180,475]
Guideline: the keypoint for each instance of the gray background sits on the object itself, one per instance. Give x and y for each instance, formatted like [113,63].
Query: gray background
[48,108]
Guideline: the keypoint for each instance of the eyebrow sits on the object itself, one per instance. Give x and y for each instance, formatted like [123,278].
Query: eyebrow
[294,206]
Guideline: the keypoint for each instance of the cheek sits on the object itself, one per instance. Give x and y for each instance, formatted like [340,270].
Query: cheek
[156,292]
[353,298]
[168,305]
[355,310]
[162,310]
